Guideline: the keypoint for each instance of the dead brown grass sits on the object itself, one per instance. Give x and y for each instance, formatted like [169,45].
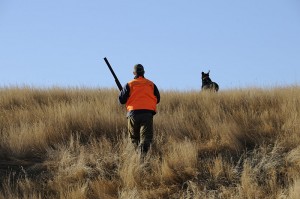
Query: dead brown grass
[72,143]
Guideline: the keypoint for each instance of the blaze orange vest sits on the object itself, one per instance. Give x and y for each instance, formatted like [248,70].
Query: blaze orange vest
[141,95]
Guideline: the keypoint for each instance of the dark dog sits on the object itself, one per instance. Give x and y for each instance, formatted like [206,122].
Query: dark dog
[207,84]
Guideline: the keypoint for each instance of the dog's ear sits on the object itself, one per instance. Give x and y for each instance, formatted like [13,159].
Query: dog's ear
[208,72]
[202,73]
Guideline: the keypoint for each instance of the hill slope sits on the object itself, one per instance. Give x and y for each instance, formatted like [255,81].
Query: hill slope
[72,143]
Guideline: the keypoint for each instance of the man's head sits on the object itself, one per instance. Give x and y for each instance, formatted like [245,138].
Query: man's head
[138,69]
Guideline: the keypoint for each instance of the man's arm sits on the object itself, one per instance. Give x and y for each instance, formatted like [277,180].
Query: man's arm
[124,94]
[156,93]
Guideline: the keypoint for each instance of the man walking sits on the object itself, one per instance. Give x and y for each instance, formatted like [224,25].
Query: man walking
[140,96]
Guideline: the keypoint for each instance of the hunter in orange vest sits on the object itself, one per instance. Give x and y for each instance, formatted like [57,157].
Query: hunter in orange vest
[140,96]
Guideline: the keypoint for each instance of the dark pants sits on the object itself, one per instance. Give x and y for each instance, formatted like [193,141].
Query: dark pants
[140,129]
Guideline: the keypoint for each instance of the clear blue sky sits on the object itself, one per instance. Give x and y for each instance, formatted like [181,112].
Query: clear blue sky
[63,42]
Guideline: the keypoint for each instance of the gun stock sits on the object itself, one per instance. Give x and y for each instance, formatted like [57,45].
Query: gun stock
[113,73]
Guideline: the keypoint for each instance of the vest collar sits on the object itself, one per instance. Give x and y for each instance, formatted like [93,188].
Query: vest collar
[140,76]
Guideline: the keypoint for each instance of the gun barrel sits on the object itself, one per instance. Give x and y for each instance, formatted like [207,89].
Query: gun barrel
[113,73]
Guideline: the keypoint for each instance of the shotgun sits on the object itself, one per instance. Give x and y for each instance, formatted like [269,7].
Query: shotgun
[113,73]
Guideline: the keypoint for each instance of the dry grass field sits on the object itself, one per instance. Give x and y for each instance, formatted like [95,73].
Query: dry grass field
[72,144]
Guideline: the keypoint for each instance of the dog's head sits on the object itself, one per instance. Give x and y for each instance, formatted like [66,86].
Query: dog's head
[205,75]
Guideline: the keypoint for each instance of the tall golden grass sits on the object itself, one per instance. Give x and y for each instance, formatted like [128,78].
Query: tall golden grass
[72,143]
